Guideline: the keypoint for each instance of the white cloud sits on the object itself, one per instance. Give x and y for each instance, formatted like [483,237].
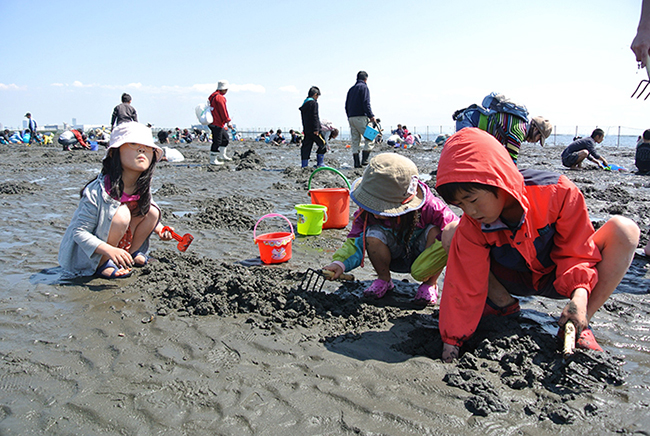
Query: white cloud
[57,84]
[134,85]
[4,87]
[289,88]
[250,87]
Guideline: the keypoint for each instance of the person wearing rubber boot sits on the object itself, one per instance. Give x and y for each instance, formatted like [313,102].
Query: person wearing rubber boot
[311,127]
[400,224]
[522,233]
[357,108]
[220,124]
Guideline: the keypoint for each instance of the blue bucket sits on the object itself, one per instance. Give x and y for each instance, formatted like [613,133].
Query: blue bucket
[370,134]
[93,145]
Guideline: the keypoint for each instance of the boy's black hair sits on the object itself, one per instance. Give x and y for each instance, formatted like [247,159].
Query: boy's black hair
[313,91]
[597,132]
[646,135]
[126,98]
[362,75]
[449,191]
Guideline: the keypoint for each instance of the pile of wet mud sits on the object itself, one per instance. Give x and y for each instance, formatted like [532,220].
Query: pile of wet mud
[194,285]
[169,189]
[520,354]
[235,212]
[15,188]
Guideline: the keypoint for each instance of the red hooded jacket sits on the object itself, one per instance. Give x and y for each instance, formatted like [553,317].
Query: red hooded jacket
[219,111]
[555,232]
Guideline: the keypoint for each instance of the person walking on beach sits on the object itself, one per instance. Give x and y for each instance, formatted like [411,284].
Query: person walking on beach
[220,124]
[584,148]
[109,232]
[311,127]
[123,112]
[357,108]
[31,126]
[522,233]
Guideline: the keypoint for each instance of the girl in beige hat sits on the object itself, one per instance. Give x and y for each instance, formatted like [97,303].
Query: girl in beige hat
[110,229]
[399,224]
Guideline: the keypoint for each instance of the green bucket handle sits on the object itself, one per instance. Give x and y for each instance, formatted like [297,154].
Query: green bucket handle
[328,169]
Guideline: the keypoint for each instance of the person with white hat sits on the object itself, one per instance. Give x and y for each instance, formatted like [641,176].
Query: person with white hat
[400,224]
[220,124]
[109,232]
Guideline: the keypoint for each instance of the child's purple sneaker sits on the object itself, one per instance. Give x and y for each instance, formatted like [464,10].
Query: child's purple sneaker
[427,294]
[378,288]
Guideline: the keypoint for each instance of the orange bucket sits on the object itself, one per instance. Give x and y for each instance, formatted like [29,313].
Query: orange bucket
[274,247]
[337,201]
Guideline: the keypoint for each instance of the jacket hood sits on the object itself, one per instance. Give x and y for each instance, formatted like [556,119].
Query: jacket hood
[473,155]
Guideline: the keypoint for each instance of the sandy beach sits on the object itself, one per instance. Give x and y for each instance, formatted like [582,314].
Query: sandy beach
[210,341]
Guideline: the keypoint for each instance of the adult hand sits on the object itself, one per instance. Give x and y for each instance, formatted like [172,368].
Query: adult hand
[449,352]
[641,42]
[336,269]
[576,310]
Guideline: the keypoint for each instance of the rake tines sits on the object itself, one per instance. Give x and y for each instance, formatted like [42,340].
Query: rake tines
[312,281]
[644,83]
[640,94]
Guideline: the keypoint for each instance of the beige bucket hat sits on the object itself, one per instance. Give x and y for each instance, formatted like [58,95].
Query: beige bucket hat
[389,186]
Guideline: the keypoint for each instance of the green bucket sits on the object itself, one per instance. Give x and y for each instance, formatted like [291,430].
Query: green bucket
[311,218]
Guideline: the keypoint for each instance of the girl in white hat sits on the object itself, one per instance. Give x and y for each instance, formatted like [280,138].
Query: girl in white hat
[109,232]
[400,224]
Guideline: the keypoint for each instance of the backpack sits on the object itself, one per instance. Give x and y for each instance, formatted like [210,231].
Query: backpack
[492,104]
[500,103]
[204,113]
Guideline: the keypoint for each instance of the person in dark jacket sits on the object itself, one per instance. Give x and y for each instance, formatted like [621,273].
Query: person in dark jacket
[123,112]
[642,155]
[311,127]
[357,107]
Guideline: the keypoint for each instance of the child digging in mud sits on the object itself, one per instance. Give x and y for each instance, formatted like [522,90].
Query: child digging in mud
[400,224]
[522,233]
[109,232]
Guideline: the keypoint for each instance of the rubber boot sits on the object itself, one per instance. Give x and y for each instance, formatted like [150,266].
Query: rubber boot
[320,160]
[223,154]
[304,163]
[214,158]
[357,162]
[365,154]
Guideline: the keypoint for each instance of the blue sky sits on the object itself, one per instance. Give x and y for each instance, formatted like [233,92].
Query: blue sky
[568,61]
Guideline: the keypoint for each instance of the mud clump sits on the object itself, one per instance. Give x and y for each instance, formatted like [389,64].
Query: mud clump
[523,356]
[249,160]
[236,212]
[193,285]
[169,189]
[14,188]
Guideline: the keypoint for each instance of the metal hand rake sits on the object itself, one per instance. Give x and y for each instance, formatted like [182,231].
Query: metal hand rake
[643,84]
[314,280]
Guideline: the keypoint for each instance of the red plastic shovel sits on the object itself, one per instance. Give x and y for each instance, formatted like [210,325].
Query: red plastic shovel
[183,241]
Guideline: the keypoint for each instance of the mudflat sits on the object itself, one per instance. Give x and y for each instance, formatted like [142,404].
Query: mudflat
[210,341]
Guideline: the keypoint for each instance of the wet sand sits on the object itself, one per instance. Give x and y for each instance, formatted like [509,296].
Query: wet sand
[210,342]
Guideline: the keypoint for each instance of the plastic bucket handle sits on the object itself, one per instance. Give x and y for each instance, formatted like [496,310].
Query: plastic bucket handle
[271,215]
[347,182]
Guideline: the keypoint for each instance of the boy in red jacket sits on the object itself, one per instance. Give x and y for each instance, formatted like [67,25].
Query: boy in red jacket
[522,233]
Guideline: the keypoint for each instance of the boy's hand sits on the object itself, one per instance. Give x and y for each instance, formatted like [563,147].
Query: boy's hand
[576,310]
[449,352]
[336,269]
